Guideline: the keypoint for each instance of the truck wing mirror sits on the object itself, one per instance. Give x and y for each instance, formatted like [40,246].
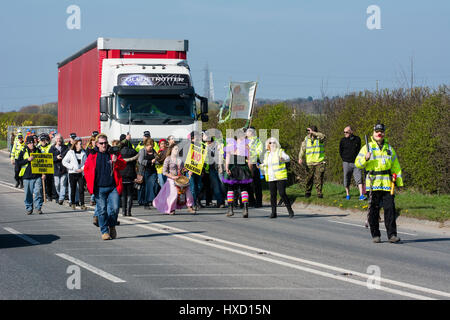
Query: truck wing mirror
[204,105]
[103,104]
[103,117]
[204,117]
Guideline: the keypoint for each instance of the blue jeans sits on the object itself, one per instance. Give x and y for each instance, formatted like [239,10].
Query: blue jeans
[141,193]
[216,185]
[195,184]
[95,210]
[161,179]
[107,207]
[151,185]
[33,188]
[60,185]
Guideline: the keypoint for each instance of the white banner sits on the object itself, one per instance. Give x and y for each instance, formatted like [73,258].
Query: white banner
[242,97]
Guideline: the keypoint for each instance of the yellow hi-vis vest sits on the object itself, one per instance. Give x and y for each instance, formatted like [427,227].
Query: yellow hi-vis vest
[279,168]
[26,155]
[384,163]
[256,148]
[44,149]
[16,149]
[140,146]
[315,151]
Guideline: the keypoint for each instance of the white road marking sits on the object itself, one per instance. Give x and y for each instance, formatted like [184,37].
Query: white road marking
[168,230]
[93,269]
[361,226]
[250,288]
[22,236]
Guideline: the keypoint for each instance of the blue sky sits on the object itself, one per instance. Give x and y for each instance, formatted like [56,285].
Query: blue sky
[293,48]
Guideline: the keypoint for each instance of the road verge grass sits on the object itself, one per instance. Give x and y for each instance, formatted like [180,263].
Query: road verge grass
[408,203]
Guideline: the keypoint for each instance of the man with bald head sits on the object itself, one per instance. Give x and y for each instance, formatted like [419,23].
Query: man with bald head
[348,149]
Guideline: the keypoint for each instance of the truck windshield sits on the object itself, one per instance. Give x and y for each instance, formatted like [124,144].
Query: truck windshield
[164,107]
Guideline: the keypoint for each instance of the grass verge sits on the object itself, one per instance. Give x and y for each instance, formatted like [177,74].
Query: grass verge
[408,203]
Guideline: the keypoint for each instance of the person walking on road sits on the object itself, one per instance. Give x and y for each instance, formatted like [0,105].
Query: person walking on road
[349,147]
[74,162]
[172,196]
[381,162]
[44,146]
[32,182]
[128,174]
[256,149]
[59,150]
[19,144]
[237,174]
[274,168]
[147,159]
[103,179]
[313,150]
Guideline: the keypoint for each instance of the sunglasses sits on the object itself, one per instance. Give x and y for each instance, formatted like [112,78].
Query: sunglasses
[102,143]
[347,132]
[379,131]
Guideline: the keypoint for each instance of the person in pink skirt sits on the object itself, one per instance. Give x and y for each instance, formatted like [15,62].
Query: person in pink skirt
[167,200]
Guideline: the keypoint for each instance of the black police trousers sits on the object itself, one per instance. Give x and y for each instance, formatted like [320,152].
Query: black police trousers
[387,200]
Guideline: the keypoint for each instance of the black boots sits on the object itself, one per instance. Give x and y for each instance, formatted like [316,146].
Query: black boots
[245,213]
[230,209]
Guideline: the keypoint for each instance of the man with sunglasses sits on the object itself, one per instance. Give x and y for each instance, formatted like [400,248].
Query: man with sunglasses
[103,179]
[381,162]
[349,147]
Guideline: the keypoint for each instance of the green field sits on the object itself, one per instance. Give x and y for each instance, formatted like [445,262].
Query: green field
[408,203]
[2,144]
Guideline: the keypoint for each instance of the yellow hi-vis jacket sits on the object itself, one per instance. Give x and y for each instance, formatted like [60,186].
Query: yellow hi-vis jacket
[44,149]
[17,147]
[315,151]
[256,148]
[140,146]
[278,167]
[384,164]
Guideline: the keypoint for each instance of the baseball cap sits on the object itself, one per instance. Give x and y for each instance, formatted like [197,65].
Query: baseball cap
[95,133]
[77,139]
[44,136]
[19,135]
[379,127]
[122,136]
[73,135]
[29,139]
[146,133]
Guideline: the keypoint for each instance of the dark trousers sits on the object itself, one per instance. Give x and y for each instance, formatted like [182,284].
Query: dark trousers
[315,176]
[74,179]
[255,192]
[279,185]
[127,197]
[16,174]
[387,201]
[49,181]
[206,188]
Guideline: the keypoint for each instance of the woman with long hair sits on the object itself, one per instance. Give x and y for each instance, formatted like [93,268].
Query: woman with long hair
[74,162]
[274,168]
[175,193]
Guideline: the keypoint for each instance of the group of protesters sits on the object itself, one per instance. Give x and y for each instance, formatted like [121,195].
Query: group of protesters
[156,173]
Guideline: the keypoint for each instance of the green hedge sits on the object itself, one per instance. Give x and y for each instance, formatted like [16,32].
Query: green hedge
[417,126]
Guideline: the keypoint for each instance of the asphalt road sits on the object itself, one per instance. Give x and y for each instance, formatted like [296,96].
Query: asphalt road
[59,255]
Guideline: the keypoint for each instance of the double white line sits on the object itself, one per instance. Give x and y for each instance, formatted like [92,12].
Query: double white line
[270,256]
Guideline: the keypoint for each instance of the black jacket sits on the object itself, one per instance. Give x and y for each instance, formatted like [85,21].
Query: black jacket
[129,173]
[349,148]
[57,164]
[21,161]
